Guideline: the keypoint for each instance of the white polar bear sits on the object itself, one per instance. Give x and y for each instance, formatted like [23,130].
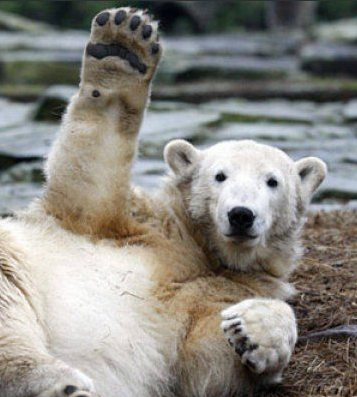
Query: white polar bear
[107,291]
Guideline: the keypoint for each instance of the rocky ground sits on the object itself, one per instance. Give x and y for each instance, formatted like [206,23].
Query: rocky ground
[301,128]
[296,93]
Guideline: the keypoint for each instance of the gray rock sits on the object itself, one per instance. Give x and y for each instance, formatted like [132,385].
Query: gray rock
[17,196]
[339,185]
[70,41]
[278,110]
[320,90]
[13,114]
[276,133]
[161,127]
[341,31]
[238,43]
[13,22]
[329,59]
[23,172]
[53,102]
[28,142]
[350,110]
[332,206]
[227,67]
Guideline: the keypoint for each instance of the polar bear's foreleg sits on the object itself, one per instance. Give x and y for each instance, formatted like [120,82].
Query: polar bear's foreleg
[255,346]
[90,165]
[263,333]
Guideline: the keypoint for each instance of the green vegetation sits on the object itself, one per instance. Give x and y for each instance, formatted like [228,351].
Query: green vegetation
[230,15]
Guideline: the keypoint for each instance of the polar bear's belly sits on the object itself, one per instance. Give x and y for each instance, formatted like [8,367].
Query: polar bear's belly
[99,315]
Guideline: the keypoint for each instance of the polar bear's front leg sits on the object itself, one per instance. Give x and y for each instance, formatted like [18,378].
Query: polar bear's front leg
[89,167]
[263,333]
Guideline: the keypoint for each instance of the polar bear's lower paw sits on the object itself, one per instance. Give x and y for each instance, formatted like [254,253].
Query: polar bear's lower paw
[123,40]
[263,333]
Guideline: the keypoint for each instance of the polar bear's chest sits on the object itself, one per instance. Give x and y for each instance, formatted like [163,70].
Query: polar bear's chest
[89,294]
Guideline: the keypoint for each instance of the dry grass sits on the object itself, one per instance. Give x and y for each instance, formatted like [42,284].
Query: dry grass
[327,285]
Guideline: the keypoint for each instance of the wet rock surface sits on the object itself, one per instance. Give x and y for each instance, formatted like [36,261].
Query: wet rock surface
[301,128]
[284,90]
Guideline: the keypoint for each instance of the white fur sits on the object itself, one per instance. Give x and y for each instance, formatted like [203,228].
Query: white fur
[79,307]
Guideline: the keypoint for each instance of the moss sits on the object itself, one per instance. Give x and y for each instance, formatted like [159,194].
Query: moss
[22,92]
[23,72]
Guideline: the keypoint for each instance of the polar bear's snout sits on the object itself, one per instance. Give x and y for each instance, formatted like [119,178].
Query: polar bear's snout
[241,220]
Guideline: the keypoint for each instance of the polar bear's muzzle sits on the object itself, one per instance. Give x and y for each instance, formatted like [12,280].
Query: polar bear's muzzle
[241,221]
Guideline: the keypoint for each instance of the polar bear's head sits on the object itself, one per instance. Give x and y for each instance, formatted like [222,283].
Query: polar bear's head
[248,199]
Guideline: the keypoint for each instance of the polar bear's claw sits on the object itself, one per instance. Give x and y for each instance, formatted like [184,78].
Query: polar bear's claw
[263,333]
[125,35]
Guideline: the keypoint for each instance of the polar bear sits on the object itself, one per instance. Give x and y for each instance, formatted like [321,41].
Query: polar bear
[107,291]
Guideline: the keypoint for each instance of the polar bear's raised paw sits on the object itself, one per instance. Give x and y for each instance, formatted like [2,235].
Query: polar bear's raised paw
[263,333]
[124,40]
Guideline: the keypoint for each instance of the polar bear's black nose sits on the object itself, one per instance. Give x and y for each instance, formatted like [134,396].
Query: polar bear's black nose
[241,218]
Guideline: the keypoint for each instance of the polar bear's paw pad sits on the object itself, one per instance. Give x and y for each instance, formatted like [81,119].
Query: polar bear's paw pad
[125,35]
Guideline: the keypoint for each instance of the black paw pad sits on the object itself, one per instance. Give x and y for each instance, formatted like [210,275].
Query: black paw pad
[155,48]
[120,17]
[133,59]
[68,390]
[135,22]
[100,51]
[102,18]
[147,30]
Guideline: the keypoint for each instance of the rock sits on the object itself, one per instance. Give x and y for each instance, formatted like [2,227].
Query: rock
[341,31]
[13,114]
[26,143]
[329,59]
[333,205]
[339,184]
[277,110]
[53,102]
[161,127]
[47,68]
[17,196]
[24,93]
[13,22]
[147,173]
[68,41]
[333,151]
[278,133]
[237,43]
[350,110]
[319,90]
[227,67]
[24,172]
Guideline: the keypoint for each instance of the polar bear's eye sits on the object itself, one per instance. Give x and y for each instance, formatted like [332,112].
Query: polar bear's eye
[220,177]
[272,182]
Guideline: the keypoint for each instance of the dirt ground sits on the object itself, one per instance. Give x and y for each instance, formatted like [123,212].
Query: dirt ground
[327,297]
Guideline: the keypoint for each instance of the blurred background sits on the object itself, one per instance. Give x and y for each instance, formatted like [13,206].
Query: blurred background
[280,72]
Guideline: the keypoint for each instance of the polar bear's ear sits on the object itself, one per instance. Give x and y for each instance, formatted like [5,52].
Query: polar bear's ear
[180,155]
[312,172]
